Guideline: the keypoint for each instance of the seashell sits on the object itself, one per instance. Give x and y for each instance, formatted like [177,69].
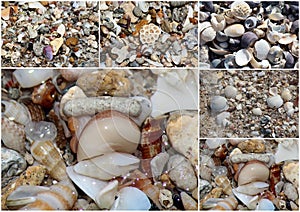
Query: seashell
[102,135]
[243,158]
[188,202]
[248,39]
[274,101]
[253,188]
[218,104]
[144,6]
[275,54]
[253,171]
[214,193]
[56,44]
[36,112]
[252,146]
[44,95]
[290,61]
[224,183]
[250,23]
[275,175]
[240,10]
[165,198]
[131,198]
[294,49]
[91,186]
[46,154]
[287,150]
[260,33]
[243,57]
[287,38]
[48,52]
[12,163]
[248,200]
[105,198]
[286,94]
[218,22]
[15,111]
[181,131]
[61,29]
[207,32]
[291,172]
[61,196]
[92,105]
[265,204]
[221,37]
[28,78]
[295,27]
[107,166]
[219,51]
[276,16]
[13,135]
[235,30]
[41,131]
[181,173]
[262,48]
[288,107]
[229,203]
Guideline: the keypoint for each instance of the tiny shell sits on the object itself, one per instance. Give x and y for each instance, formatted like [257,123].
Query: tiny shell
[235,30]
[275,101]
[165,198]
[224,183]
[28,78]
[286,94]
[44,95]
[275,54]
[253,171]
[207,32]
[287,150]
[243,57]
[265,204]
[229,203]
[250,22]
[108,131]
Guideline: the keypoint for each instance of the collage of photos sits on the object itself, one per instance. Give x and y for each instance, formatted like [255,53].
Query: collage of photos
[149,105]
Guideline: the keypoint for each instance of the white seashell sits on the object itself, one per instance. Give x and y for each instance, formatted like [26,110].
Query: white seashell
[130,198]
[274,101]
[287,152]
[235,30]
[253,188]
[287,38]
[229,203]
[240,10]
[107,166]
[61,29]
[218,104]
[286,94]
[261,48]
[248,200]
[165,198]
[175,92]
[28,78]
[218,22]
[265,204]
[288,107]
[207,32]
[89,185]
[15,111]
[257,111]
[276,16]
[146,109]
[243,57]
[106,196]
[12,163]
[253,171]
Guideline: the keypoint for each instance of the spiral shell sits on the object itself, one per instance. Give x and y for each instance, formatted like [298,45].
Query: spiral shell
[13,135]
[46,153]
[229,203]
[15,111]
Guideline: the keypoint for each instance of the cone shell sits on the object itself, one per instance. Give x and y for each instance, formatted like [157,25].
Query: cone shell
[46,153]
[106,132]
[13,135]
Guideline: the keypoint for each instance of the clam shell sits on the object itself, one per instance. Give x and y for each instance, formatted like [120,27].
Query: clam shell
[262,48]
[107,166]
[15,111]
[235,30]
[248,39]
[105,198]
[243,57]
[287,38]
[107,132]
[253,171]
[265,204]
[28,78]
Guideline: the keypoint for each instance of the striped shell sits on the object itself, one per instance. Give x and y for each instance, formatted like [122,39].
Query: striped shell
[13,135]
[229,203]
[36,112]
[15,111]
[48,155]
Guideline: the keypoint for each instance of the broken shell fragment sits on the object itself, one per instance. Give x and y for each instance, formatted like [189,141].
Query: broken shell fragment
[28,78]
[243,57]
[262,48]
[253,171]
[253,188]
[248,39]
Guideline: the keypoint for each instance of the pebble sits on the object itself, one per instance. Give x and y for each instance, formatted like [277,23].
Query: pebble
[252,146]
[221,119]
[56,44]
[257,111]
[286,95]
[243,158]
[38,48]
[288,107]
[290,191]
[218,104]
[291,172]
[274,101]
[182,173]
[204,187]
[188,202]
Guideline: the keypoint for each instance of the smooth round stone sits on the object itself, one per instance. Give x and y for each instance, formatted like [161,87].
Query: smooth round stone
[257,111]
[274,101]
[286,94]
[218,104]
[230,91]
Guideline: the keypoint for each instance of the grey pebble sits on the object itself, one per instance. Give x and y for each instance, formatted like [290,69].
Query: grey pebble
[274,101]
[230,91]
[218,104]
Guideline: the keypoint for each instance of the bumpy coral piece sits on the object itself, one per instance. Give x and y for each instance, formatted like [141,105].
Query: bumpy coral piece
[149,33]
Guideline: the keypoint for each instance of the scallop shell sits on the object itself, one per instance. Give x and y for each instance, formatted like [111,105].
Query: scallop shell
[235,30]
[262,48]
[46,154]
[253,171]
[28,78]
[106,132]
[13,135]
[240,10]
[243,57]
[15,111]
[107,166]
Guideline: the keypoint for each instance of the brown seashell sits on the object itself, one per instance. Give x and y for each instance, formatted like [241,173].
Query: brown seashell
[74,144]
[36,112]
[214,193]
[274,177]
[60,139]
[46,154]
[13,135]
[221,152]
[224,183]
[15,111]
[44,95]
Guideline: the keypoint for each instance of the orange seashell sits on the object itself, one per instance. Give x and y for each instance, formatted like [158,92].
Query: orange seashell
[274,177]
[74,144]
[139,26]
[36,112]
[60,139]
[44,95]
[46,154]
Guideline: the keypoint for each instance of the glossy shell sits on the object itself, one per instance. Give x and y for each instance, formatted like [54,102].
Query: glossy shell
[235,30]
[28,78]
[15,111]
[253,171]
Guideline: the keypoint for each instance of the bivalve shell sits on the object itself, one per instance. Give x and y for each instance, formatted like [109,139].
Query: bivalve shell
[15,111]
[248,39]
[253,171]
[275,54]
[235,30]
[243,57]
[275,101]
[240,10]
[28,78]
[262,48]
[218,22]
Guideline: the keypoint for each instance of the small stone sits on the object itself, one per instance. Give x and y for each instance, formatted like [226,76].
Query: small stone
[291,172]
[257,111]
[239,97]
[218,104]
[230,91]
[288,107]
[61,29]
[38,48]
[5,14]
[252,146]
[221,119]
[274,101]
[188,202]
[286,95]
[158,163]
[181,173]
[290,191]
[32,32]
[56,44]
[71,41]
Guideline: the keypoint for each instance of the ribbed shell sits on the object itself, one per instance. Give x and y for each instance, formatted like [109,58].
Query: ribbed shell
[13,135]
[229,203]
[35,111]
[46,153]
[15,111]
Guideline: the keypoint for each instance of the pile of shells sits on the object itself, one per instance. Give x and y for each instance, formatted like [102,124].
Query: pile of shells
[238,34]
[50,34]
[247,103]
[255,174]
[77,139]
[149,34]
